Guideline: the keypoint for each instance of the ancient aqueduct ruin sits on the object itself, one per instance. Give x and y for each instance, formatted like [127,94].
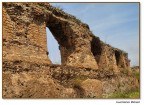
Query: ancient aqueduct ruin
[25,55]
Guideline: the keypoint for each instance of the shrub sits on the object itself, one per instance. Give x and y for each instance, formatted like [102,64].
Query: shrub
[131,94]
[137,75]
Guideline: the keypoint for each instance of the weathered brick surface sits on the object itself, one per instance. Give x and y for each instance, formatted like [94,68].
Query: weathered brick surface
[31,80]
[79,47]
[90,68]
[23,39]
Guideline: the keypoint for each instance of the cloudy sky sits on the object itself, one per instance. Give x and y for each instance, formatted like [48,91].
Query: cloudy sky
[115,24]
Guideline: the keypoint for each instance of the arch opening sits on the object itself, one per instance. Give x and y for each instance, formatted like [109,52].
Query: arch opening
[62,33]
[96,48]
[53,48]
[117,56]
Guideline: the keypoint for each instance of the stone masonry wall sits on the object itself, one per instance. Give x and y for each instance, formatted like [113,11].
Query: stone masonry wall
[33,80]
[76,41]
[90,68]
[23,38]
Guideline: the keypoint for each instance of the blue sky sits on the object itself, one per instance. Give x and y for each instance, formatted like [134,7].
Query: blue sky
[115,24]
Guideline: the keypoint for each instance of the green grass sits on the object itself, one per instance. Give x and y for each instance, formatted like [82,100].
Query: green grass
[137,75]
[131,94]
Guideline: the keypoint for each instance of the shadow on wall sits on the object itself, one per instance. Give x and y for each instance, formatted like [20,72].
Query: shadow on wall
[117,55]
[53,48]
[96,48]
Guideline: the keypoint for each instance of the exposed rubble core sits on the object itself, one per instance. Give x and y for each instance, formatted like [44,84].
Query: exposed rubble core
[88,64]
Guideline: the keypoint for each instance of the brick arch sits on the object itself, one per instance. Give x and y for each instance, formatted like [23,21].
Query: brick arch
[74,47]
[26,37]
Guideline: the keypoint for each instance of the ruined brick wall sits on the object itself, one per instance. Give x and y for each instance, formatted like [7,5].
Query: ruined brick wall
[56,81]
[109,57]
[86,60]
[74,40]
[122,59]
[23,37]
[26,38]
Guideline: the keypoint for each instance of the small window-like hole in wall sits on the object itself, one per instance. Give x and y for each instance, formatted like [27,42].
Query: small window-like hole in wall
[117,55]
[53,48]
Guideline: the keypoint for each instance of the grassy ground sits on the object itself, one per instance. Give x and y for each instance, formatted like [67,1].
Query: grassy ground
[131,94]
